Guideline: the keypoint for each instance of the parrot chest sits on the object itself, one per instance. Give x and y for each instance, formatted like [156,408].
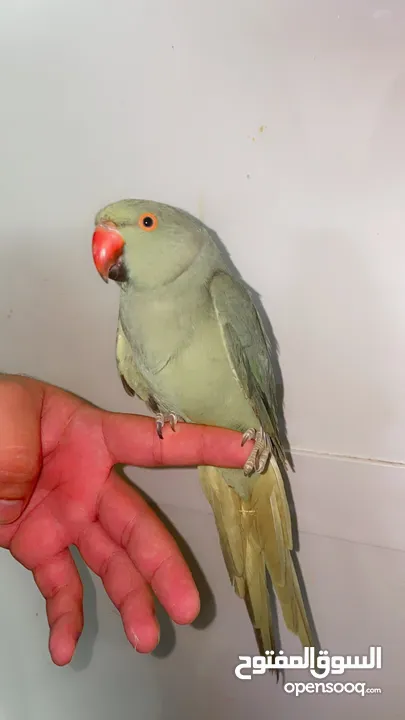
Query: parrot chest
[179,350]
[157,329]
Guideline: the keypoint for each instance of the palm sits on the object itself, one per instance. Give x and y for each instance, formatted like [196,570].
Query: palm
[76,469]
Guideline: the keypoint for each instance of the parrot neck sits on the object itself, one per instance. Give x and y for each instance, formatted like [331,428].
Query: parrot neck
[195,275]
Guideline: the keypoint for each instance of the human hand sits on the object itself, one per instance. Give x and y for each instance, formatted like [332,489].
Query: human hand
[58,487]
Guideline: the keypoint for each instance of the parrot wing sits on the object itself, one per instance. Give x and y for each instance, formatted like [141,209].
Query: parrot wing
[249,350]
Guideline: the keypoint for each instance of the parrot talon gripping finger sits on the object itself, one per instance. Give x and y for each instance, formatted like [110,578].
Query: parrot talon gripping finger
[161,419]
[261,452]
[249,435]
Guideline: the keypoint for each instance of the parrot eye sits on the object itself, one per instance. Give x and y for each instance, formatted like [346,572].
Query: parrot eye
[148,222]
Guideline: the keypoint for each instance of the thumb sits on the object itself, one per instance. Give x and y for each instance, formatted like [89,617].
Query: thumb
[20,444]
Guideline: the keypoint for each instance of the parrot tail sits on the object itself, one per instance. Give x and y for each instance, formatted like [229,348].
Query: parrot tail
[255,535]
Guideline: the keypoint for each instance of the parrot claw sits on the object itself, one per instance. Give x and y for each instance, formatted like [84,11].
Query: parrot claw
[161,419]
[261,452]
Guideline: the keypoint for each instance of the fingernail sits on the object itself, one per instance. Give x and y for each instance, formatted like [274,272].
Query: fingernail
[135,640]
[10,510]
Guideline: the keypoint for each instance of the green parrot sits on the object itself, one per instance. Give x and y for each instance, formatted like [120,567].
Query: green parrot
[191,345]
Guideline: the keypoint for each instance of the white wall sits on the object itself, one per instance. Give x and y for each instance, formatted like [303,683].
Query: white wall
[103,100]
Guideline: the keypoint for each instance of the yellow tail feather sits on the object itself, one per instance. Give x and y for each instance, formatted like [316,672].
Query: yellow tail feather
[256,534]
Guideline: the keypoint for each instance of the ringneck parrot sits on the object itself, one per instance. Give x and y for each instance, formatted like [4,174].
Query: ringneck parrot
[190,343]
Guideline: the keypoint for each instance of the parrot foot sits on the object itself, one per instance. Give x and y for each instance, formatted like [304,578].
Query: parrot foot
[261,452]
[161,419]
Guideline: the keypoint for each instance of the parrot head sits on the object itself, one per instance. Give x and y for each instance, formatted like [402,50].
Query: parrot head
[145,243]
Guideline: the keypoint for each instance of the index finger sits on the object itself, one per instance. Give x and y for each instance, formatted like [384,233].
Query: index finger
[133,440]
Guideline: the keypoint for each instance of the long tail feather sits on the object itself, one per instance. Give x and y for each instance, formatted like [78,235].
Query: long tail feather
[256,534]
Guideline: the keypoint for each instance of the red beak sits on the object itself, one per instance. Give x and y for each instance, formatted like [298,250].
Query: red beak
[107,247]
